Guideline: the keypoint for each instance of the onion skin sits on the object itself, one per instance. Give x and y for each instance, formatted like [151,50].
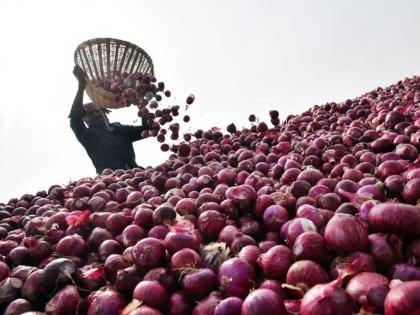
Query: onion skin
[305,274]
[276,261]
[360,285]
[403,299]
[66,301]
[236,277]
[229,306]
[148,253]
[345,233]
[396,218]
[327,299]
[17,307]
[263,301]
[152,294]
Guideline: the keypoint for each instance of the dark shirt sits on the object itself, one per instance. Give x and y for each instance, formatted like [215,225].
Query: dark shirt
[107,148]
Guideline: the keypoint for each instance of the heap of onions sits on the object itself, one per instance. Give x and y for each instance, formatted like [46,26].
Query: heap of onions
[317,214]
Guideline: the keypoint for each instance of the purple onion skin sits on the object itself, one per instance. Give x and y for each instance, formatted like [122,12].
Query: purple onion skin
[229,306]
[403,299]
[354,262]
[311,245]
[145,310]
[199,283]
[18,307]
[276,261]
[327,299]
[404,272]
[360,285]
[208,305]
[148,253]
[66,301]
[263,301]
[396,218]
[236,277]
[178,304]
[305,274]
[105,302]
[345,233]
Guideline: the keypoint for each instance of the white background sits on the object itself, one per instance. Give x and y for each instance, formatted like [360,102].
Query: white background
[237,57]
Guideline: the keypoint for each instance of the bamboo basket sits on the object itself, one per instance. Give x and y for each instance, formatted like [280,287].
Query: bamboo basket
[105,58]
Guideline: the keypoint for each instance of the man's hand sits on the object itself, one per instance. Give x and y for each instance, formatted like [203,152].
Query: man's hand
[80,75]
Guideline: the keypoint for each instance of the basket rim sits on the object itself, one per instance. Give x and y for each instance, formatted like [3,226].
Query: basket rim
[97,40]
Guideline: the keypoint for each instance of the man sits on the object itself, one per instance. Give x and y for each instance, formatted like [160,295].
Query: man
[108,145]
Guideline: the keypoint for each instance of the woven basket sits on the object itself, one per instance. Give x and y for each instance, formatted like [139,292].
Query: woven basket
[105,58]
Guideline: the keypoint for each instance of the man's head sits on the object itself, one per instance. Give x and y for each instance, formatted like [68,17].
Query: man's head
[95,115]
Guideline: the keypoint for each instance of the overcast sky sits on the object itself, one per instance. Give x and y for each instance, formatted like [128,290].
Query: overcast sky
[237,57]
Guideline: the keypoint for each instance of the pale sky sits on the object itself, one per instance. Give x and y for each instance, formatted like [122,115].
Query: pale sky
[237,57]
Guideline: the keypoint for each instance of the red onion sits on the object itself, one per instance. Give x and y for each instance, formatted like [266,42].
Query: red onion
[304,274]
[263,301]
[298,226]
[199,283]
[327,299]
[148,253]
[236,277]
[178,304]
[403,299]
[250,253]
[345,233]
[208,305]
[274,217]
[17,307]
[354,263]
[360,285]
[151,293]
[66,301]
[210,223]
[397,218]
[105,301]
[229,306]
[310,245]
[405,272]
[276,261]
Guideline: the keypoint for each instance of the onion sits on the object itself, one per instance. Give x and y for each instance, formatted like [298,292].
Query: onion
[199,283]
[274,217]
[327,299]
[311,245]
[229,306]
[360,285]
[148,253]
[17,307]
[345,233]
[397,218]
[208,305]
[65,301]
[354,263]
[9,289]
[403,299]
[304,274]
[276,261]
[405,272]
[105,301]
[236,277]
[210,223]
[178,304]
[151,293]
[263,301]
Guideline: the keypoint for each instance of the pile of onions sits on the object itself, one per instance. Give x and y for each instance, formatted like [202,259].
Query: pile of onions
[316,214]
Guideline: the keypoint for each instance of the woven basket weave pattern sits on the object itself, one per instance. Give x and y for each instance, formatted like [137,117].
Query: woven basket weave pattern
[105,58]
